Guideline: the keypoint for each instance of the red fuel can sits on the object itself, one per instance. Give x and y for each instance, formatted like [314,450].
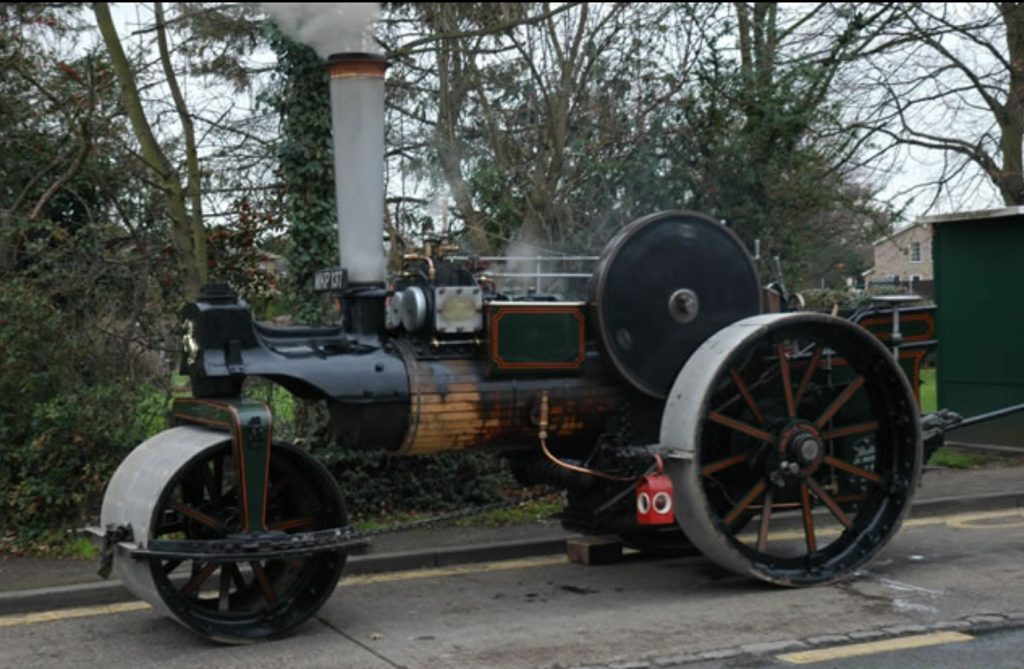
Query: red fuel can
[654,498]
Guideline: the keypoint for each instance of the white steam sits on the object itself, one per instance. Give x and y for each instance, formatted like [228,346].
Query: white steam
[328,27]
[522,252]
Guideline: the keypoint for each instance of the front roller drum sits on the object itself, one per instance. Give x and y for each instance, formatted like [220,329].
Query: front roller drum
[183,485]
[794,445]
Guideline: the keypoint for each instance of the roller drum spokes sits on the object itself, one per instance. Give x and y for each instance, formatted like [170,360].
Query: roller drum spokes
[794,446]
[197,498]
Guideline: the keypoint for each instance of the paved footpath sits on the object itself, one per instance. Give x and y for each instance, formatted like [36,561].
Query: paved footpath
[28,584]
[951,581]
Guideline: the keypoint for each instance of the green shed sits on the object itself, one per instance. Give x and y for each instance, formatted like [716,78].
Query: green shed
[979,291]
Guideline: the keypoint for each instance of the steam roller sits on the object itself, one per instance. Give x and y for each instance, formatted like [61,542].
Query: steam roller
[681,406]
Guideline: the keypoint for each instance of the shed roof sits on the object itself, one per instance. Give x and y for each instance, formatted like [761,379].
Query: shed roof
[1000,214]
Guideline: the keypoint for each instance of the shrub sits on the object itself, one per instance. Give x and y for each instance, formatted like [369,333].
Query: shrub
[78,438]
[72,404]
[375,483]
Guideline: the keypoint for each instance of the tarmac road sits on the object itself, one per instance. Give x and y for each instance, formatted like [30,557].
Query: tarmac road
[959,573]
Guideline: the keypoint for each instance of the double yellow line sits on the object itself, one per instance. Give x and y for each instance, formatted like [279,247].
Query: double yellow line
[980,520]
[353,581]
[873,647]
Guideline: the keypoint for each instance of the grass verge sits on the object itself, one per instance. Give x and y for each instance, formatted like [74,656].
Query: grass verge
[535,510]
[929,403]
[955,458]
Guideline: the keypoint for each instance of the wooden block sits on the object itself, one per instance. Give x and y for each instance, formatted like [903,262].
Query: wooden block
[593,551]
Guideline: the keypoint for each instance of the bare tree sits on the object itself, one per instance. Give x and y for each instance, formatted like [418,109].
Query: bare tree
[187,231]
[199,151]
[953,83]
[525,105]
[765,141]
[52,110]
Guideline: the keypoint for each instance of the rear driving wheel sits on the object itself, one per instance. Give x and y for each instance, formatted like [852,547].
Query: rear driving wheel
[797,447]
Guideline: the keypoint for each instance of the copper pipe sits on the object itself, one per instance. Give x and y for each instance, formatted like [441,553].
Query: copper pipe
[542,435]
[431,270]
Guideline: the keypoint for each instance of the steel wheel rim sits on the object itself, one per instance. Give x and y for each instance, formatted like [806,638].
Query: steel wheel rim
[851,437]
[246,601]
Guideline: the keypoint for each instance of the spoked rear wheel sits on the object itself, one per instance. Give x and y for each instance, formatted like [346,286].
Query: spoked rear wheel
[246,600]
[800,447]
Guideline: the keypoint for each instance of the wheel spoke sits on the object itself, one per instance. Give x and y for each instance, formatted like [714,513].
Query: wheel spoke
[169,528]
[236,576]
[859,428]
[830,503]
[787,386]
[801,423]
[224,593]
[805,503]
[734,424]
[218,475]
[261,578]
[211,485]
[195,514]
[719,465]
[839,402]
[283,525]
[853,469]
[200,577]
[790,506]
[766,516]
[808,373]
[171,565]
[741,506]
[747,397]
[250,598]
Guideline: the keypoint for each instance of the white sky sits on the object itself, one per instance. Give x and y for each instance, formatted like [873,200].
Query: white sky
[915,166]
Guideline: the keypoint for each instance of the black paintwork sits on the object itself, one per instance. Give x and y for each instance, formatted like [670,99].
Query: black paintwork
[361,376]
[642,267]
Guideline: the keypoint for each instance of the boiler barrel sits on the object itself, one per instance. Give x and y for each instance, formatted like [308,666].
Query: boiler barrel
[453,405]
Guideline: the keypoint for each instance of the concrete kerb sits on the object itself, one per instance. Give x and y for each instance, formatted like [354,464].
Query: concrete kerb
[939,506]
[108,592]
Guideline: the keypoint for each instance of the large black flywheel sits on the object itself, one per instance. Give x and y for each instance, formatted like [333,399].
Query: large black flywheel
[664,284]
[794,447]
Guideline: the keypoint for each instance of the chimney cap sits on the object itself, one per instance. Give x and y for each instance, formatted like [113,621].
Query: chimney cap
[355,55]
[356,64]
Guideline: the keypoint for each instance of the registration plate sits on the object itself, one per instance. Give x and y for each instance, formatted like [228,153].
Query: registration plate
[330,279]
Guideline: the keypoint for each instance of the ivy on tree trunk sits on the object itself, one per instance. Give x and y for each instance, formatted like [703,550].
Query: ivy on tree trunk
[306,172]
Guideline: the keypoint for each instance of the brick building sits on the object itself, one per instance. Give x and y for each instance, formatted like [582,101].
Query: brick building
[904,259]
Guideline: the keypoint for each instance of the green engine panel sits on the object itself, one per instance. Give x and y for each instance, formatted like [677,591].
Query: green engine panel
[535,338]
